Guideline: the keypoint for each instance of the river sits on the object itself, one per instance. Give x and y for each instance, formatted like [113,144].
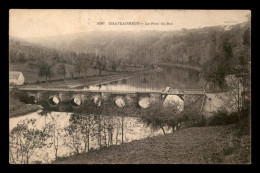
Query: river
[133,129]
[175,78]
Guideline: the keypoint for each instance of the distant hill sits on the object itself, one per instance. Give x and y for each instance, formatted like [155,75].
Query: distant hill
[21,51]
[194,46]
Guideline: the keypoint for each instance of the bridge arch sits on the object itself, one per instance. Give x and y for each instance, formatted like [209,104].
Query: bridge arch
[119,101]
[97,100]
[32,99]
[53,100]
[144,100]
[174,100]
[76,100]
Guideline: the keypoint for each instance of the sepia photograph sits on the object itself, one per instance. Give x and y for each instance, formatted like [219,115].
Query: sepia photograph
[129,86]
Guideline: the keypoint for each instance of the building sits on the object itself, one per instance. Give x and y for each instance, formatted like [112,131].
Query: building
[16,78]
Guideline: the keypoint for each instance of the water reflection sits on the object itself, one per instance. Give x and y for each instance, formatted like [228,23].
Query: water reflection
[175,78]
[68,141]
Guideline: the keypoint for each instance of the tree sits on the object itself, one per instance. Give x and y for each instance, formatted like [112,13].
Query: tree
[235,96]
[25,138]
[247,37]
[98,128]
[114,66]
[85,124]
[45,70]
[214,71]
[78,66]
[55,132]
[74,133]
[158,116]
[32,65]
[62,70]
[99,66]
[85,66]
[56,57]
[70,70]
[117,112]
[21,57]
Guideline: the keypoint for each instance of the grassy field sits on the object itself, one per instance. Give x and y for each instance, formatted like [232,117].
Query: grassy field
[196,145]
[92,75]
[31,76]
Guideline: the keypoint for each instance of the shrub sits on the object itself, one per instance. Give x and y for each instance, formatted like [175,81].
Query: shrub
[221,118]
[158,116]
[232,118]
[192,117]
[243,126]
[201,122]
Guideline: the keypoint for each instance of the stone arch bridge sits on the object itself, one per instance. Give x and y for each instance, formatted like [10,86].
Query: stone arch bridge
[55,97]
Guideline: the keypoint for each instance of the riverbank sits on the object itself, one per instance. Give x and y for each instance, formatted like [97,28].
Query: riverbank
[31,75]
[196,145]
[17,108]
[182,66]
[92,80]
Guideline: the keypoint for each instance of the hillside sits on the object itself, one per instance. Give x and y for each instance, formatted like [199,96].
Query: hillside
[24,56]
[196,145]
[194,46]
[218,49]
[21,51]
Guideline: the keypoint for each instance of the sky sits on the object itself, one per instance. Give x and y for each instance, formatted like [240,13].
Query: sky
[41,23]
